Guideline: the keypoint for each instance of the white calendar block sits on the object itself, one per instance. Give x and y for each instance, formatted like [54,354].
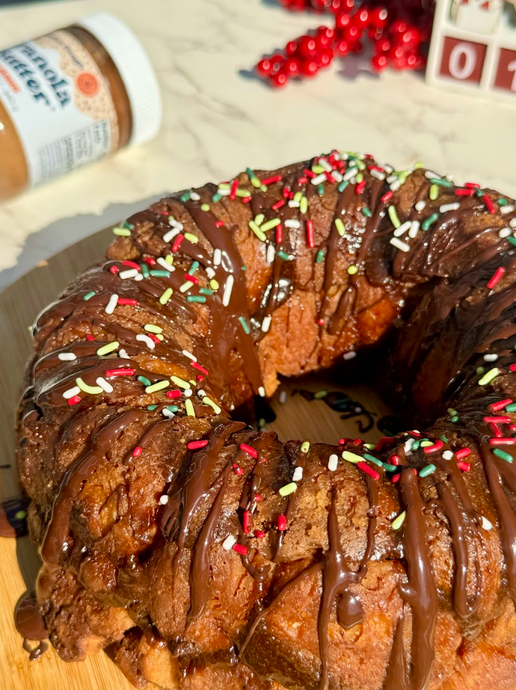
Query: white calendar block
[473,48]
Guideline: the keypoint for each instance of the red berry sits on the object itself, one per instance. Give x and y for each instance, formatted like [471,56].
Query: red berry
[324,58]
[352,33]
[378,17]
[292,67]
[277,62]
[264,67]
[399,26]
[307,46]
[383,45]
[342,21]
[308,68]
[291,47]
[278,80]
[361,19]
[380,62]
[341,48]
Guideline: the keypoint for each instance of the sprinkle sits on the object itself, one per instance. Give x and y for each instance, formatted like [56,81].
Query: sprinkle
[386,197]
[288,489]
[270,224]
[91,390]
[257,231]
[271,253]
[125,300]
[102,383]
[371,458]
[89,295]
[240,549]
[173,394]
[211,403]
[393,215]
[249,450]
[402,229]
[502,441]
[170,234]
[283,255]
[67,356]
[107,348]
[464,192]
[189,408]
[433,192]
[449,207]
[349,355]
[298,474]
[180,382]
[434,448]
[491,358]
[71,392]
[266,323]
[120,372]
[502,454]
[144,380]
[292,223]
[158,386]
[487,378]
[368,470]
[498,419]
[486,524]
[462,453]
[429,221]
[147,340]
[509,208]
[195,445]
[366,212]
[131,273]
[464,466]
[498,274]
[303,207]
[399,244]
[282,523]
[420,206]
[333,462]
[310,234]
[110,306]
[489,204]
[319,256]
[504,233]
[397,523]
[74,400]
[352,270]
[360,186]
[197,299]
[305,446]
[351,457]
[186,286]
[226,297]
[414,229]
[228,543]
[429,469]
[122,232]
[340,227]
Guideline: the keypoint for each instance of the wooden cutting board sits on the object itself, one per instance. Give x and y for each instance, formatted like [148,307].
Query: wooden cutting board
[19,305]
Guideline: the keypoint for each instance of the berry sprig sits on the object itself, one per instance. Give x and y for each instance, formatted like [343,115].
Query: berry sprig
[399,32]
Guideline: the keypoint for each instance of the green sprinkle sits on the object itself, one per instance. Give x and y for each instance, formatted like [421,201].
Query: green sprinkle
[352,457]
[244,325]
[480,370]
[502,202]
[283,255]
[216,197]
[159,274]
[205,207]
[429,221]
[455,419]
[305,446]
[502,454]
[393,215]
[418,165]
[199,299]
[20,514]
[107,348]
[158,386]
[170,259]
[371,458]
[172,408]
[433,192]
[320,256]
[398,521]
[512,240]
[321,394]
[206,291]
[342,186]
[256,182]
[145,270]
[415,444]
[429,469]
[263,188]
[444,439]
[320,189]
[288,489]
[193,267]
[487,378]
[303,206]
[122,232]
[224,185]
[190,411]
[166,296]
[389,468]
[151,407]
[89,295]
[127,225]
[185,197]
[340,227]
[511,407]
[451,411]
[439,181]
[270,224]
[144,380]
[367,213]
[243,267]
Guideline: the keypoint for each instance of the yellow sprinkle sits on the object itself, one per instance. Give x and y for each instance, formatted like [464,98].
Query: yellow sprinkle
[158,386]
[211,403]
[259,234]
[189,408]
[191,238]
[305,446]
[297,197]
[317,169]
[288,489]
[398,521]
[169,259]
[352,270]
[433,192]
[166,296]
[214,284]
[152,328]
[352,457]
[91,390]
[122,232]
[303,206]
[340,227]
[487,378]
[180,382]
[259,219]
[107,348]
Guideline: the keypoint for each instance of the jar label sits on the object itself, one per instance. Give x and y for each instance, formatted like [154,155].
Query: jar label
[60,104]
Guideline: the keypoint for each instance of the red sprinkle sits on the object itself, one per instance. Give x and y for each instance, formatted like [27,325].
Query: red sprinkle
[74,400]
[219,223]
[497,420]
[258,498]
[125,300]
[90,337]
[489,204]
[309,173]
[464,466]
[320,322]
[173,394]
[137,451]
[495,430]
[342,441]
[238,470]
[120,372]
[512,427]
[114,269]
[394,460]
[464,192]
[360,187]
[272,180]
[194,445]
[368,470]
[512,367]
[502,441]
[282,523]
[472,185]
[310,234]
[302,180]
[497,406]
[177,242]
[433,449]
[259,534]
[329,177]
[279,233]
[396,478]
[285,192]
[150,260]
[199,377]
[278,204]
[249,450]
[463,453]
[247,521]
[241,549]
[232,192]
[192,278]
[498,274]
[386,197]
[200,368]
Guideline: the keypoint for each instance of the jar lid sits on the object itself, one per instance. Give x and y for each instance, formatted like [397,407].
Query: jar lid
[136,70]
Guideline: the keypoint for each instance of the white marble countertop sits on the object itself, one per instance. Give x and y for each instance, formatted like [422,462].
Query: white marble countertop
[217,120]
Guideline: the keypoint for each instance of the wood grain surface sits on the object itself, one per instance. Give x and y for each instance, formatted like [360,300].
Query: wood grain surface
[19,305]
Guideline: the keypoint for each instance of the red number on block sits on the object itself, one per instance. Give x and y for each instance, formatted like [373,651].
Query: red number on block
[463,60]
[506,71]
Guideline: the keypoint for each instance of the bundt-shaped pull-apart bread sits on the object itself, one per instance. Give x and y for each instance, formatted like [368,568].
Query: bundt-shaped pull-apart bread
[203,554]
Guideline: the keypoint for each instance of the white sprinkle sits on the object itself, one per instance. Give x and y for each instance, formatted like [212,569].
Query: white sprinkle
[432,175]
[395,186]
[170,234]
[189,355]
[167,413]
[105,385]
[349,355]
[283,397]
[67,356]
[350,172]
[261,392]
[407,446]
[325,165]
[388,168]
[490,358]
[147,340]
[504,232]
[164,264]
[130,273]
[486,524]
[194,196]
[175,223]
[512,222]
[223,192]
[294,204]
[71,392]
[337,176]
[228,543]
[188,393]
[392,178]
[333,462]
[298,474]
[210,272]
[414,229]
[163,500]
[186,286]
[271,253]
[266,323]
[506,209]
[449,207]
[420,206]
[377,174]
[201,393]
[402,246]
[228,287]
[318,179]
[217,257]
[402,229]
[138,277]
[123,354]
[292,223]
[447,455]
[110,306]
